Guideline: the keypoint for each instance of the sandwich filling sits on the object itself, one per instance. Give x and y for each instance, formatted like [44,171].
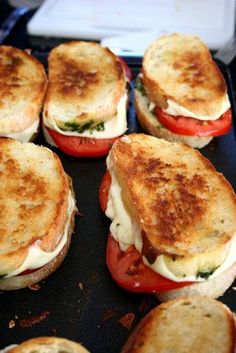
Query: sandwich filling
[36,257]
[176,109]
[115,126]
[126,232]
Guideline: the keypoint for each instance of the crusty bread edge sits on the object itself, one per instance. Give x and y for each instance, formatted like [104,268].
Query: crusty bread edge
[140,333]
[58,343]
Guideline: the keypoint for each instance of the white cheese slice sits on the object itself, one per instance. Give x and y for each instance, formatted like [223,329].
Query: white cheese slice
[36,257]
[126,232]
[25,135]
[176,109]
[112,128]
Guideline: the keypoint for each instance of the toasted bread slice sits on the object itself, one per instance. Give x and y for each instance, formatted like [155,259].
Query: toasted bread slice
[37,205]
[17,67]
[179,202]
[185,325]
[49,345]
[86,82]
[20,106]
[23,84]
[180,68]
[151,125]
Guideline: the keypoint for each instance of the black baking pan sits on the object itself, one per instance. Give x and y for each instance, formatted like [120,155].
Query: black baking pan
[80,301]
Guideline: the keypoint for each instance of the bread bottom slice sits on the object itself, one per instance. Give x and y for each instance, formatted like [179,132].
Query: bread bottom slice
[150,124]
[185,325]
[213,288]
[48,345]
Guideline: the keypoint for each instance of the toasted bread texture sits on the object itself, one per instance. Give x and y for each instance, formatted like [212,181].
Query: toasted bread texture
[86,82]
[18,67]
[151,125]
[180,68]
[180,203]
[34,201]
[49,345]
[23,84]
[190,324]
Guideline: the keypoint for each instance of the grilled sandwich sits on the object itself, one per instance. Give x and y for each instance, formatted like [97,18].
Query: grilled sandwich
[173,219]
[181,95]
[37,213]
[48,345]
[23,84]
[85,107]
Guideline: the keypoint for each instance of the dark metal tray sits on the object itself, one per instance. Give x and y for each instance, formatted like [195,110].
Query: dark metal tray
[80,301]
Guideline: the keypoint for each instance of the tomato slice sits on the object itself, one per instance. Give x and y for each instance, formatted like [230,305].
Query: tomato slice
[128,270]
[127,69]
[81,146]
[193,127]
[104,190]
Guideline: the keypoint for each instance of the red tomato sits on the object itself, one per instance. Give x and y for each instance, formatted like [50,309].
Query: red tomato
[81,146]
[104,190]
[128,270]
[193,127]
[127,69]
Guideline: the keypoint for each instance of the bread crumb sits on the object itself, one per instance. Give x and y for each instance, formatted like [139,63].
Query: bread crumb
[34,320]
[109,314]
[81,286]
[34,287]
[127,320]
[12,324]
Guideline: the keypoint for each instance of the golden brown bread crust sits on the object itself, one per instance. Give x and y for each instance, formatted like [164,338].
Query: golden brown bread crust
[151,125]
[180,68]
[49,344]
[19,68]
[23,84]
[20,106]
[181,204]
[185,325]
[33,203]
[22,281]
[86,81]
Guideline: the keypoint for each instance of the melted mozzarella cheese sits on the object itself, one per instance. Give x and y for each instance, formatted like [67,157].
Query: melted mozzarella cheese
[122,228]
[126,232]
[36,257]
[112,128]
[176,109]
[25,135]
